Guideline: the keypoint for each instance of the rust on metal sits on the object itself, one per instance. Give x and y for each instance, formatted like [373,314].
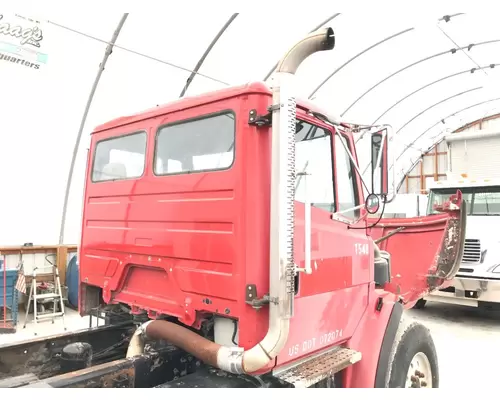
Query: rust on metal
[115,374]
[164,364]
[391,233]
[308,372]
[450,255]
[40,356]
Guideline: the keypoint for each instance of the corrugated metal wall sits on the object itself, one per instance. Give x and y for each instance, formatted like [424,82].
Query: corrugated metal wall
[478,158]
[434,164]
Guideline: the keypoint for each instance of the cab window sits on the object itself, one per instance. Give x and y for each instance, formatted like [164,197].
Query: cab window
[313,154]
[197,145]
[119,158]
[345,178]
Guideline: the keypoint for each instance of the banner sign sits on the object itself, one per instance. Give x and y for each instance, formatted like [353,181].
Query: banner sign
[21,42]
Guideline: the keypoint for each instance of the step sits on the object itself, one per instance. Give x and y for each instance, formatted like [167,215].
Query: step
[314,369]
[45,296]
[49,315]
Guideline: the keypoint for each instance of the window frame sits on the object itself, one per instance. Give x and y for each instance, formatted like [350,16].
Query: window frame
[331,133]
[227,111]
[354,181]
[138,132]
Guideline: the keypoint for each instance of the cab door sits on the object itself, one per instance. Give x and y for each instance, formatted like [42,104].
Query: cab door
[328,181]
[332,287]
[350,214]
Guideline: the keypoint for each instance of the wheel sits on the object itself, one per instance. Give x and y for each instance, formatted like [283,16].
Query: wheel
[413,361]
[420,304]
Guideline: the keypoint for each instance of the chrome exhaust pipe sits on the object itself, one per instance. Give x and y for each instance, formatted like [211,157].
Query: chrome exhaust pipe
[283,179]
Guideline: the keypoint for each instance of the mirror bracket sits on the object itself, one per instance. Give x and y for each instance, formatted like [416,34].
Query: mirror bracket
[255,119]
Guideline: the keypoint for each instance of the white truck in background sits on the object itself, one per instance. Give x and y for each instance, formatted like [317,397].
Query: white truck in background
[473,167]
[406,205]
[477,282]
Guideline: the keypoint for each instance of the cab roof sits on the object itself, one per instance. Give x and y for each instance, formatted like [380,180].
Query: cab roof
[206,98]
[185,103]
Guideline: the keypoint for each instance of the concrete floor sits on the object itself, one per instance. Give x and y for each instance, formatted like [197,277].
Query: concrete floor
[467,340]
[72,322]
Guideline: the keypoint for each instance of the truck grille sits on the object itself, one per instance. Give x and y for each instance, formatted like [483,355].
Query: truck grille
[472,251]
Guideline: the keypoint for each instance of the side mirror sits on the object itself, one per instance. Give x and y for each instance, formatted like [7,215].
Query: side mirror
[380,164]
[372,204]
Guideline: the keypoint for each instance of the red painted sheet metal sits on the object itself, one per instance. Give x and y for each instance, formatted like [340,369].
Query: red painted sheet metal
[425,251]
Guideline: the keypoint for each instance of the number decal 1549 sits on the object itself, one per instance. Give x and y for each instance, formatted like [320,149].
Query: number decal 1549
[361,249]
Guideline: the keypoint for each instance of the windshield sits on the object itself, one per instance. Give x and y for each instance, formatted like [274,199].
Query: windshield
[480,200]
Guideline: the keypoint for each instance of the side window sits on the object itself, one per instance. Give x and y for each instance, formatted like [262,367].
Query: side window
[345,178]
[122,157]
[204,144]
[314,155]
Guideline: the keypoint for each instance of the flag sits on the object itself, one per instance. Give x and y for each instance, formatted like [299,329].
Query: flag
[21,280]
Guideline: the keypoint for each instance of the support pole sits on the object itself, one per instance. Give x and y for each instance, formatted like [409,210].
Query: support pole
[205,54]
[107,53]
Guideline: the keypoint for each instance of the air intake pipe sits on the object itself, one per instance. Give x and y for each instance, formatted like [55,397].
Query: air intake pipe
[282,218]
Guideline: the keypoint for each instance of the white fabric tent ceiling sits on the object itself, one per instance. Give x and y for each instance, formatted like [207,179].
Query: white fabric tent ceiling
[393,69]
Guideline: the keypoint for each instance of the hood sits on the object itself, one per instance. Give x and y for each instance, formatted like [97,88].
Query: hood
[485,228]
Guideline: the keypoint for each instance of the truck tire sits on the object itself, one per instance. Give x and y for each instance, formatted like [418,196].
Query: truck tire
[420,304]
[413,361]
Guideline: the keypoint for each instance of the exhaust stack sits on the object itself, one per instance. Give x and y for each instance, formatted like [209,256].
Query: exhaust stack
[281,260]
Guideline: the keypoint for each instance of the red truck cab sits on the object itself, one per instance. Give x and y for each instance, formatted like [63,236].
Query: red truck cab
[176,217]
[176,225]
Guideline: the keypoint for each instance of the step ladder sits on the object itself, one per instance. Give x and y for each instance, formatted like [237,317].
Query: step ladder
[35,297]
